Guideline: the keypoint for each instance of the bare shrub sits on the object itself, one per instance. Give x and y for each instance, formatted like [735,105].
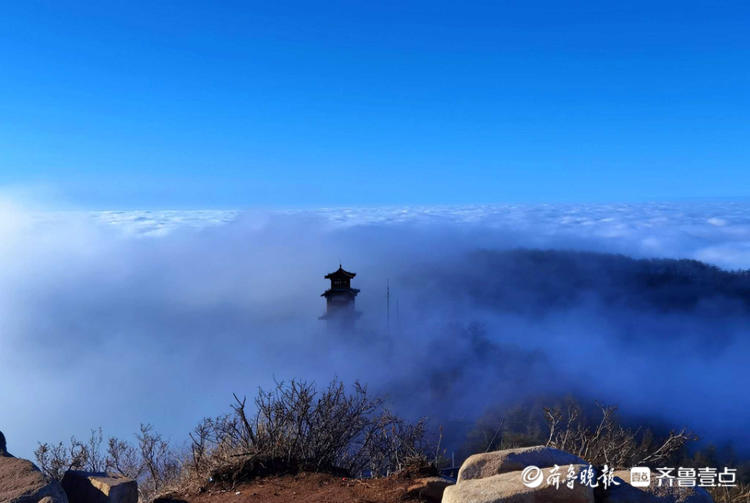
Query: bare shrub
[593,432]
[151,461]
[608,441]
[297,427]
[95,460]
[390,444]
[508,427]
[291,428]
[53,459]
[160,466]
[737,494]
[123,458]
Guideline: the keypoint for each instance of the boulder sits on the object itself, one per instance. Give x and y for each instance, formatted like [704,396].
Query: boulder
[492,463]
[3,446]
[99,487]
[428,488]
[508,487]
[22,482]
[625,493]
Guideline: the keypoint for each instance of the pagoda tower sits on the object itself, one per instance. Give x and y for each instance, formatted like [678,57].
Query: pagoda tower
[340,298]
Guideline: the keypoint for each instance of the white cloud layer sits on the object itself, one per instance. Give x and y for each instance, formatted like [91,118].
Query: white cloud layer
[114,318]
[717,233]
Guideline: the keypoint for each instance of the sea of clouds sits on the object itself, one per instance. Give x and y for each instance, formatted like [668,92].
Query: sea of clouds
[115,318]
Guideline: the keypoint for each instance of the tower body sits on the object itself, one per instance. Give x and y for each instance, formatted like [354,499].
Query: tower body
[340,297]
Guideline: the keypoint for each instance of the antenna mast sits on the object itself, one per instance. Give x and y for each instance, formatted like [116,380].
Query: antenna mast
[398,318]
[388,305]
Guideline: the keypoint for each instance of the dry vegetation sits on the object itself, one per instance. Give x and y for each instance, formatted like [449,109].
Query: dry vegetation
[598,435]
[150,460]
[293,428]
[297,428]
[608,442]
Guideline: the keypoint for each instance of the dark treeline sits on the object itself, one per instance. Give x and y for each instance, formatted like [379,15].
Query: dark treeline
[525,280]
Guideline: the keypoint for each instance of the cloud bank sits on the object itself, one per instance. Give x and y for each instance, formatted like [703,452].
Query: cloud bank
[115,318]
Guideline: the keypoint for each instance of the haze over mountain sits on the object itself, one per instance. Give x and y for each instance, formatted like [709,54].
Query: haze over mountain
[115,318]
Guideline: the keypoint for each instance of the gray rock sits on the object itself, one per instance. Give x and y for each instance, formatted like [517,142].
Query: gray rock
[3,445]
[508,487]
[22,482]
[99,487]
[492,463]
[625,493]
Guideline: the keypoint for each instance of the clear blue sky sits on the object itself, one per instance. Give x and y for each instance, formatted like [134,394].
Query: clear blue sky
[233,104]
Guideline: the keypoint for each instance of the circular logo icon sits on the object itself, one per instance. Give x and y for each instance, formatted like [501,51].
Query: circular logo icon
[532,476]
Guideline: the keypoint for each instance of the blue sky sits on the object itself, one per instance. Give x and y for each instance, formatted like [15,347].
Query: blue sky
[243,104]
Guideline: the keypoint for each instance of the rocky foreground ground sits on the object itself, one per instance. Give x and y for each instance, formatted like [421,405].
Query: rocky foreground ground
[493,477]
[322,488]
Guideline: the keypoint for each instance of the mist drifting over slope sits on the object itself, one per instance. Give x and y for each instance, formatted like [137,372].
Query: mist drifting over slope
[115,318]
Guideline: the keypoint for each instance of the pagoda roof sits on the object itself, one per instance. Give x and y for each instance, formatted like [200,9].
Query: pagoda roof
[340,291]
[340,273]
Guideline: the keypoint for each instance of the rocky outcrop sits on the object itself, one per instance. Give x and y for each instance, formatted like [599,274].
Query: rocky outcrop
[484,465]
[508,487]
[504,477]
[22,482]
[99,487]
[654,493]
[3,445]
